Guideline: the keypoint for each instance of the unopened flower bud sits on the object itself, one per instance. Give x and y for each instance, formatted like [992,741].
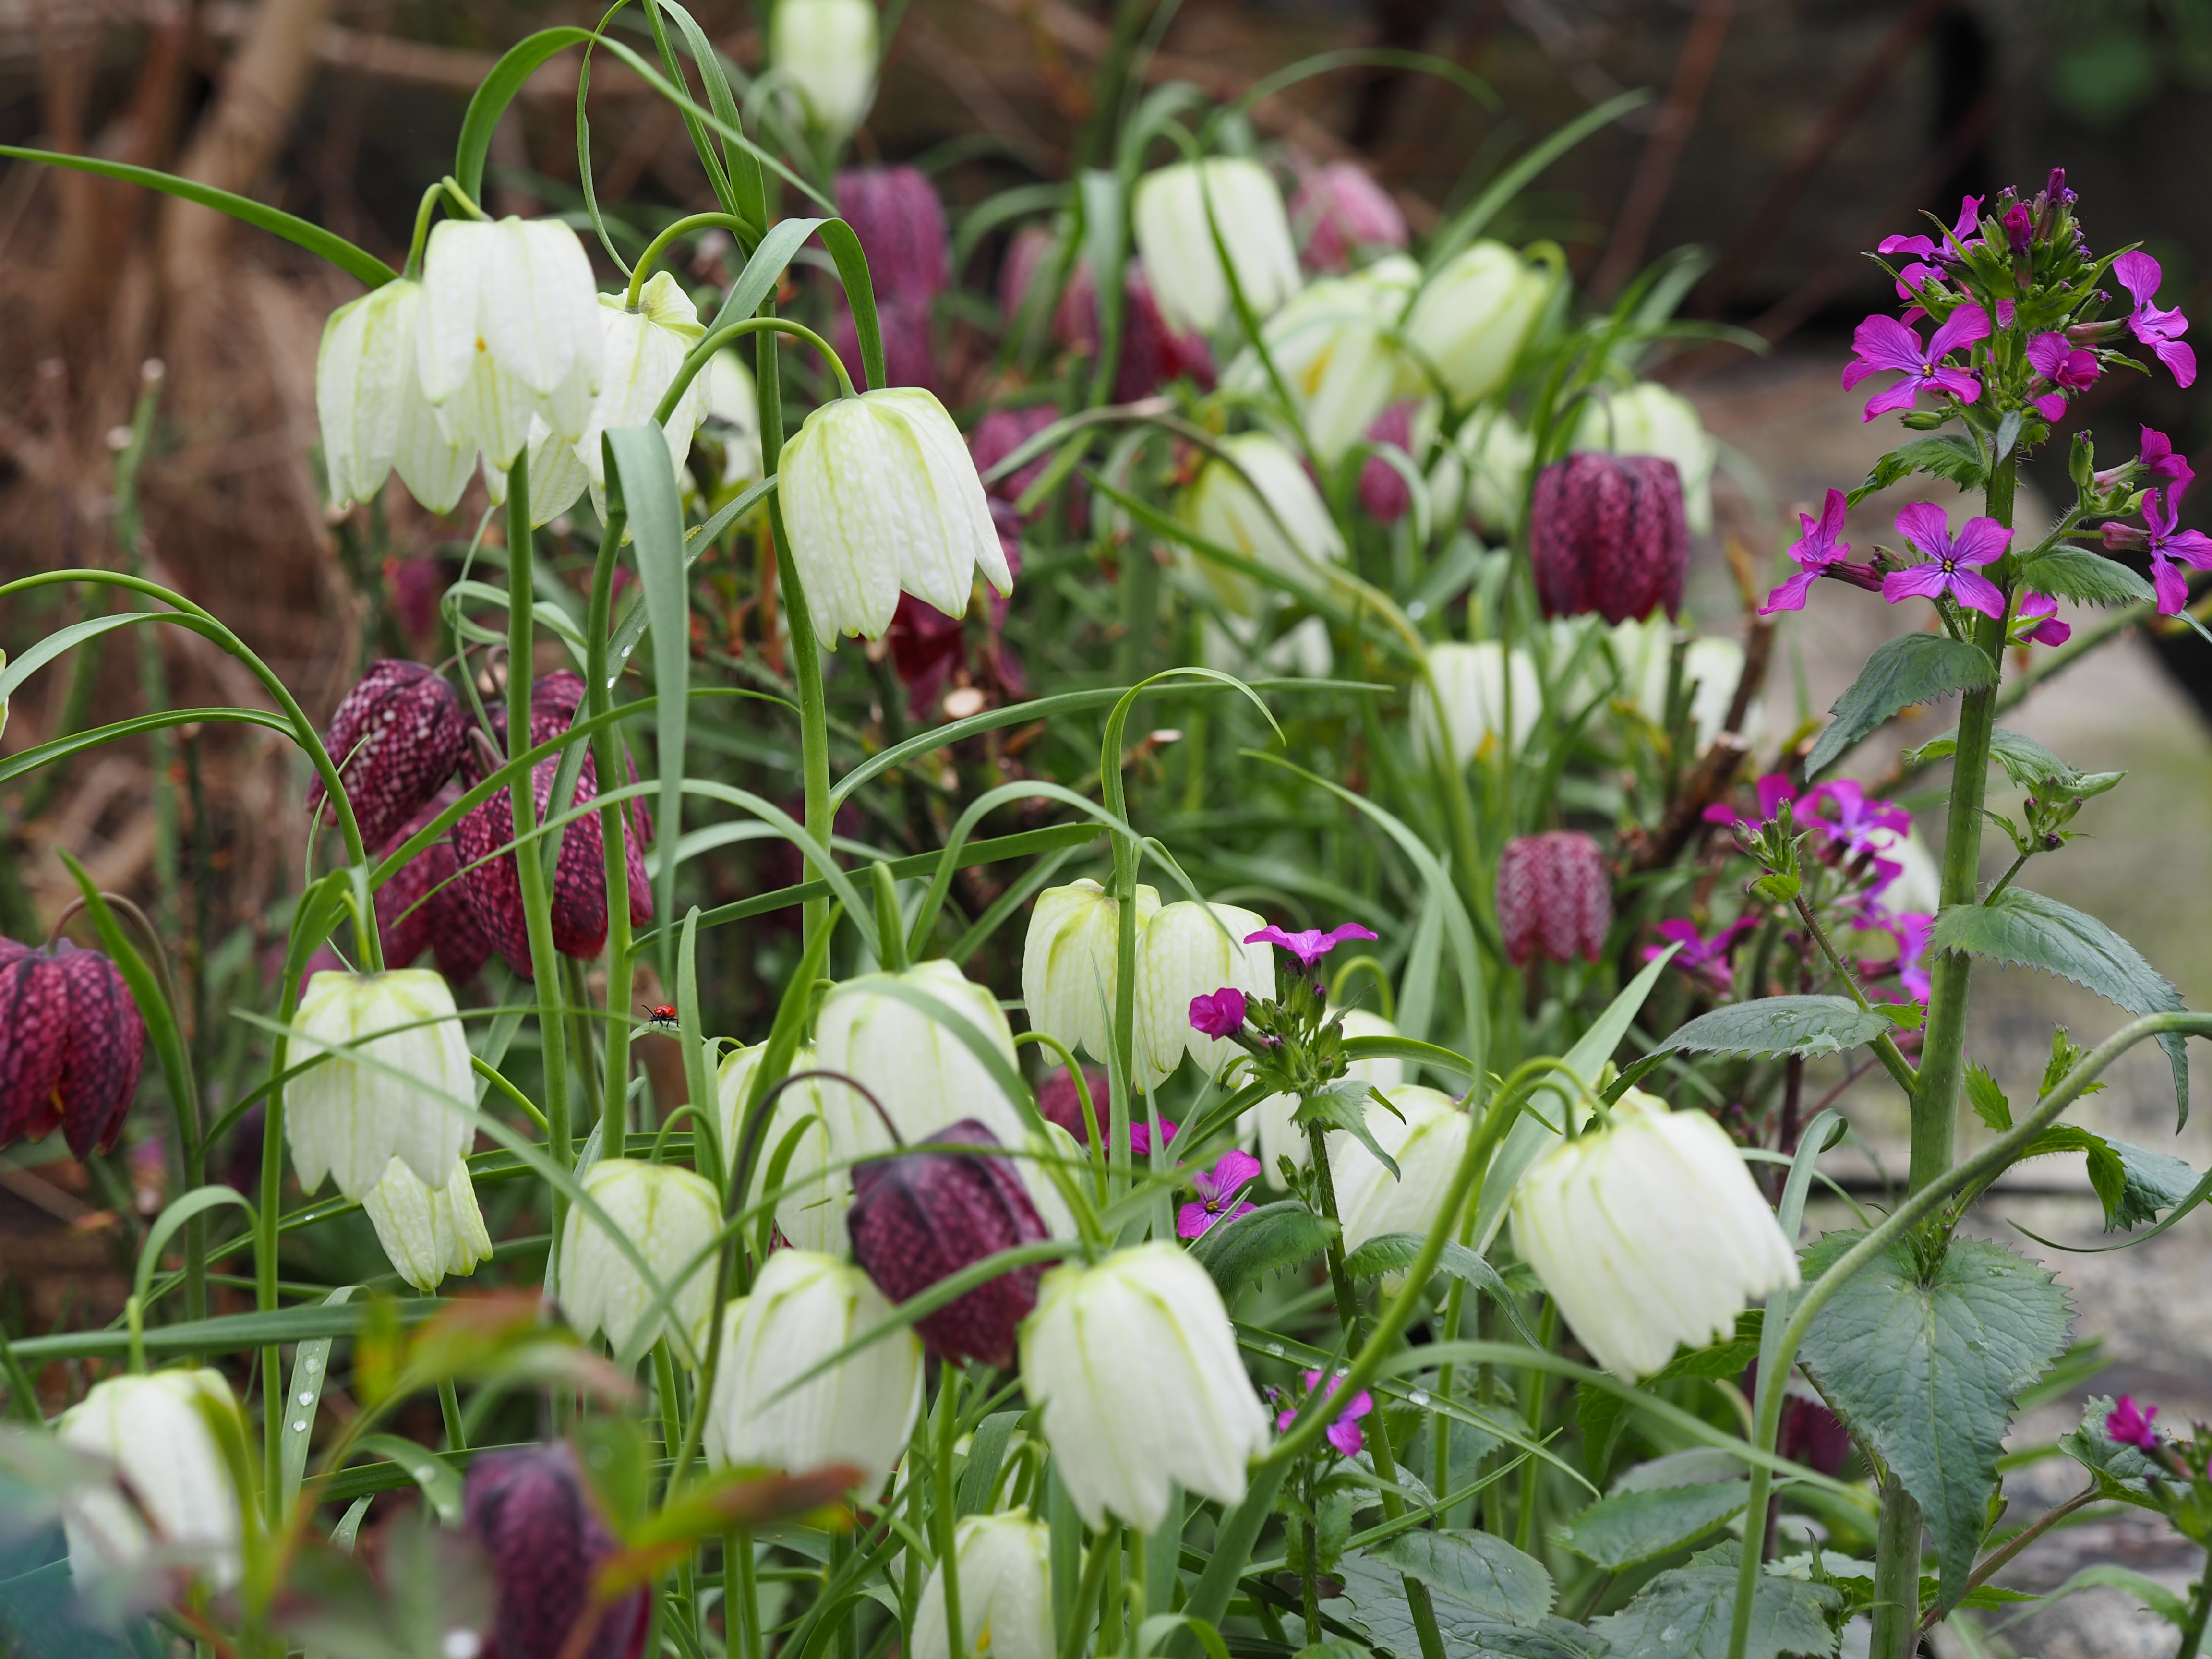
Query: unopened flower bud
[543,1541]
[1475,699]
[396,737]
[900,221]
[1221,1015]
[1554,896]
[826,52]
[428,1231]
[1149,1311]
[1473,316]
[1607,534]
[1425,1135]
[1176,212]
[671,1216]
[803,1308]
[1281,1136]
[395,1084]
[1649,1233]
[1069,963]
[156,1430]
[1190,951]
[923,1215]
[1338,208]
[70,1047]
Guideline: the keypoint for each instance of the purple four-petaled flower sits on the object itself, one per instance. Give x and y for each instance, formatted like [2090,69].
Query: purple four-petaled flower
[2049,630]
[1219,1015]
[1883,343]
[2166,543]
[1861,824]
[1950,562]
[1910,931]
[1708,958]
[1140,1137]
[1774,789]
[2065,365]
[2131,1425]
[1218,1191]
[2161,331]
[1814,551]
[1310,945]
[1344,1433]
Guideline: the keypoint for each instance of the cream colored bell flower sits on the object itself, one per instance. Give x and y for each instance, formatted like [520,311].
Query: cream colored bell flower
[1478,688]
[1192,950]
[156,1430]
[670,1215]
[1175,236]
[811,1212]
[370,403]
[1005,1591]
[1333,345]
[1070,961]
[351,1119]
[1222,507]
[428,1231]
[1473,316]
[925,1075]
[826,51]
[1425,1136]
[1481,476]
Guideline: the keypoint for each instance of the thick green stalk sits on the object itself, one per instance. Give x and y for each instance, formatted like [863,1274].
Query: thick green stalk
[948,1541]
[1896,1573]
[2200,1609]
[529,861]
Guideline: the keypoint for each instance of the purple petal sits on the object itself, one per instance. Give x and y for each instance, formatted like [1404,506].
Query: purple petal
[1981,541]
[1791,594]
[2190,547]
[1191,1221]
[1773,789]
[2180,358]
[2047,351]
[1903,395]
[1963,327]
[1970,212]
[1958,382]
[2139,274]
[1350,930]
[1885,342]
[1920,245]
[2051,406]
[2171,585]
[1832,511]
[1927,527]
[1235,1170]
[1977,593]
[1344,1434]
[1923,581]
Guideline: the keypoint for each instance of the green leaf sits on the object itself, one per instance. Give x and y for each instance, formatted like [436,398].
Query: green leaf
[1685,1614]
[1600,1414]
[1987,1099]
[1343,1105]
[1377,1597]
[311,1365]
[1477,1568]
[440,1484]
[1272,1237]
[1631,1527]
[2075,572]
[1393,1253]
[2025,762]
[1779,1026]
[2107,1174]
[2153,1181]
[2029,931]
[2119,1470]
[1910,669]
[1926,1369]
[496,91]
[1950,456]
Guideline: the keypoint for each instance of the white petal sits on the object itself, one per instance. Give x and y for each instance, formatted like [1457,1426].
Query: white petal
[457,263]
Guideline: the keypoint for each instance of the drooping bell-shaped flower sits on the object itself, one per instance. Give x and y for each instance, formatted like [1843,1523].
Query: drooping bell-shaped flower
[71,1043]
[1153,351]
[1643,655]
[803,1308]
[923,1215]
[543,1541]
[1481,476]
[1482,697]
[510,329]
[1176,212]
[428,1231]
[1334,346]
[811,1212]
[397,1087]
[1554,896]
[1059,1102]
[1425,1135]
[925,1076]
[1005,1591]
[1149,1312]
[423,906]
[1606,533]
[1650,419]
[1221,507]
[1400,433]
[1281,1136]
[733,410]
[642,350]
[825,50]
[1474,315]
[156,1430]
[671,1216]
[1191,949]
[1649,1233]
[370,403]
[1069,963]
[895,213]
[1339,208]
[395,738]
[879,498]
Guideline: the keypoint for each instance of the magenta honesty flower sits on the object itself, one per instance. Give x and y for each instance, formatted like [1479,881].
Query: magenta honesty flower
[1218,1193]
[1140,1137]
[2158,460]
[1774,789]
[2048,631]
[2161,331]
[2131,1425]
[1700,955]
[1310,945]
[1221,1015]
[1344,1433]
[1908,931]
[1815,550]
[2066,366]
[1970,213]
[1860,825]
[1883,343]
[1949,567]
[2192,547]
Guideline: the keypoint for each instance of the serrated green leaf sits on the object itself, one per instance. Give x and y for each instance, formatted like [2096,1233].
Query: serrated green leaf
[1274,1235]
[1376,1598]
[1685,1614]
[1950,456]
[2107,1174]
[1631,1527]
[1343,1105]
[2025,762]
[2119,1469]
[1779,1026]
[1477,1568]
[2075,572]
[1927,1371]
[1910,669]
[2030,931]
[1600,1414]
[1987,1099]
[2154,1181]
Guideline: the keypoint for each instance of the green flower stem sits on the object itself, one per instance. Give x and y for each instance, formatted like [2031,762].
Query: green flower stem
[1898,1506]
[1884,1045]
[2200,1609]
[1531,1385]
[682,227]
[1103,1549]
[1347,1299]
[413,270]
[948,1554]
[1418,1600]
[529,864]
[697,359]
[606,756]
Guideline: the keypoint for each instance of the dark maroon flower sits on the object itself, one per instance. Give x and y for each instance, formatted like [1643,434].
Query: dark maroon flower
[70,1045]
[1810,1433]
[909,348]
[1554,896]
[426,906]
[922,1216]
[1003,431]
[901,224]
[1338,208]
[1221,1015]
[1384,491]
[1608,533]
[396,737]
[415,585]
[1059,1103]
[1152,353]
[542,1539]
